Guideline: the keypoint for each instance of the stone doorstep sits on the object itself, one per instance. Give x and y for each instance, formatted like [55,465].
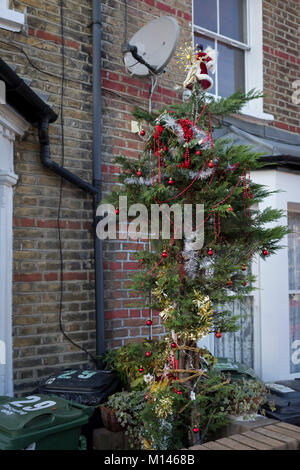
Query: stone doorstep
[279,436]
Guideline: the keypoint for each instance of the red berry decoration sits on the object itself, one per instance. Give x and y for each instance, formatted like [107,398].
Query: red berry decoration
[195,429]
[117,211]
[148,354]
[142,133]
[198,152]
[173,345]
[211,164]
[164,254]
[141,369]
[210,252]
[171,181]
[139,173]
[149,322]
[265,252]
[218,334]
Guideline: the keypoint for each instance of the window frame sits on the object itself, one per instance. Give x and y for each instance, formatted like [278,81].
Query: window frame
[253,52]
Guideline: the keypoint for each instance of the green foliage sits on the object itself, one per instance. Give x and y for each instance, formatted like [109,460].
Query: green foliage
[128,407]
[247,398]
[191,289]
[129,358]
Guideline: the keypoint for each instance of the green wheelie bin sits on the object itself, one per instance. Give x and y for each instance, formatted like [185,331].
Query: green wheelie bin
[41,422]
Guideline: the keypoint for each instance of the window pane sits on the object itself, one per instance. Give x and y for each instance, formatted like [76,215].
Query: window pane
[294,333]
[205,14]
[238,346]
[231,70]
[294,250]
[233,19]
[205,42]
[294,285]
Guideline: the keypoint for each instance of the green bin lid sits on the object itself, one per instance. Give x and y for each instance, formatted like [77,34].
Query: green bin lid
[234,368]
[37,412]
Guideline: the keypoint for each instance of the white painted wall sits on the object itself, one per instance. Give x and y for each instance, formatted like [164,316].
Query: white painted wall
[272,353]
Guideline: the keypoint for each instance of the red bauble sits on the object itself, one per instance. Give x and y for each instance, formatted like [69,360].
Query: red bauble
[141,260]
[230,209]
[165,148]
[173,345]
[149,322]
[146,396]
[195,429]
[210,252]
[265,252]
[139,173]
[171,181]
[198,152]
[142,133]
[164,254]
[148,354]
[141,369]
[245,283]
[244,268]
[229,283]
[211,164]
[218,334]
[117,211]
[186,164]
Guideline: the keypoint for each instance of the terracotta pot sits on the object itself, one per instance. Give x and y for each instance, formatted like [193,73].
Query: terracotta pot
[109,419]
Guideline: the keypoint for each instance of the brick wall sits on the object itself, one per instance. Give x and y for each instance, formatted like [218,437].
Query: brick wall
[39,346]
[281,61]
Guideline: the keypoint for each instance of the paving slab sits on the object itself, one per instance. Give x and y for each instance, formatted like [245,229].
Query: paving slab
[263,439]
[215,445]
[250,442]
[292,443]
[285,431]
[233,445]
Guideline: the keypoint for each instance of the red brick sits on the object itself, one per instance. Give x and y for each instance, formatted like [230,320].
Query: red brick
[26,277]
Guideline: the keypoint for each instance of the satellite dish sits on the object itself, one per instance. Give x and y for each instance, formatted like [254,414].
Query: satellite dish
[152,47]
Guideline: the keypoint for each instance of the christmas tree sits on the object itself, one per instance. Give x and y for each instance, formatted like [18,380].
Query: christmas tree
[192,286]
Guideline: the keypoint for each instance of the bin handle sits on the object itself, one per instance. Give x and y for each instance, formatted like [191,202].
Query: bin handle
[38,421]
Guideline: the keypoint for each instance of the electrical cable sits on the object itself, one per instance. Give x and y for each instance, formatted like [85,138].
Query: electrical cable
[61,191]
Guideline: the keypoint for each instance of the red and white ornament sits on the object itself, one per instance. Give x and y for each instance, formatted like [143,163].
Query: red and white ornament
[142,132]
[164,254]
[210,252]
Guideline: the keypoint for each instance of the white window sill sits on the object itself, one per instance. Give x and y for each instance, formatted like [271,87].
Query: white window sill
[256,113]
[11,20]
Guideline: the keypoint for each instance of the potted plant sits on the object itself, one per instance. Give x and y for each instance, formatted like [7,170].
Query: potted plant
[246,399]
[122,412]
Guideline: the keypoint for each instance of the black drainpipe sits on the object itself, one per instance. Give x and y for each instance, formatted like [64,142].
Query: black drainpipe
[97,177]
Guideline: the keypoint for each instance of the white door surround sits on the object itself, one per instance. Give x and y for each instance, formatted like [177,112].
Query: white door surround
[11,124]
